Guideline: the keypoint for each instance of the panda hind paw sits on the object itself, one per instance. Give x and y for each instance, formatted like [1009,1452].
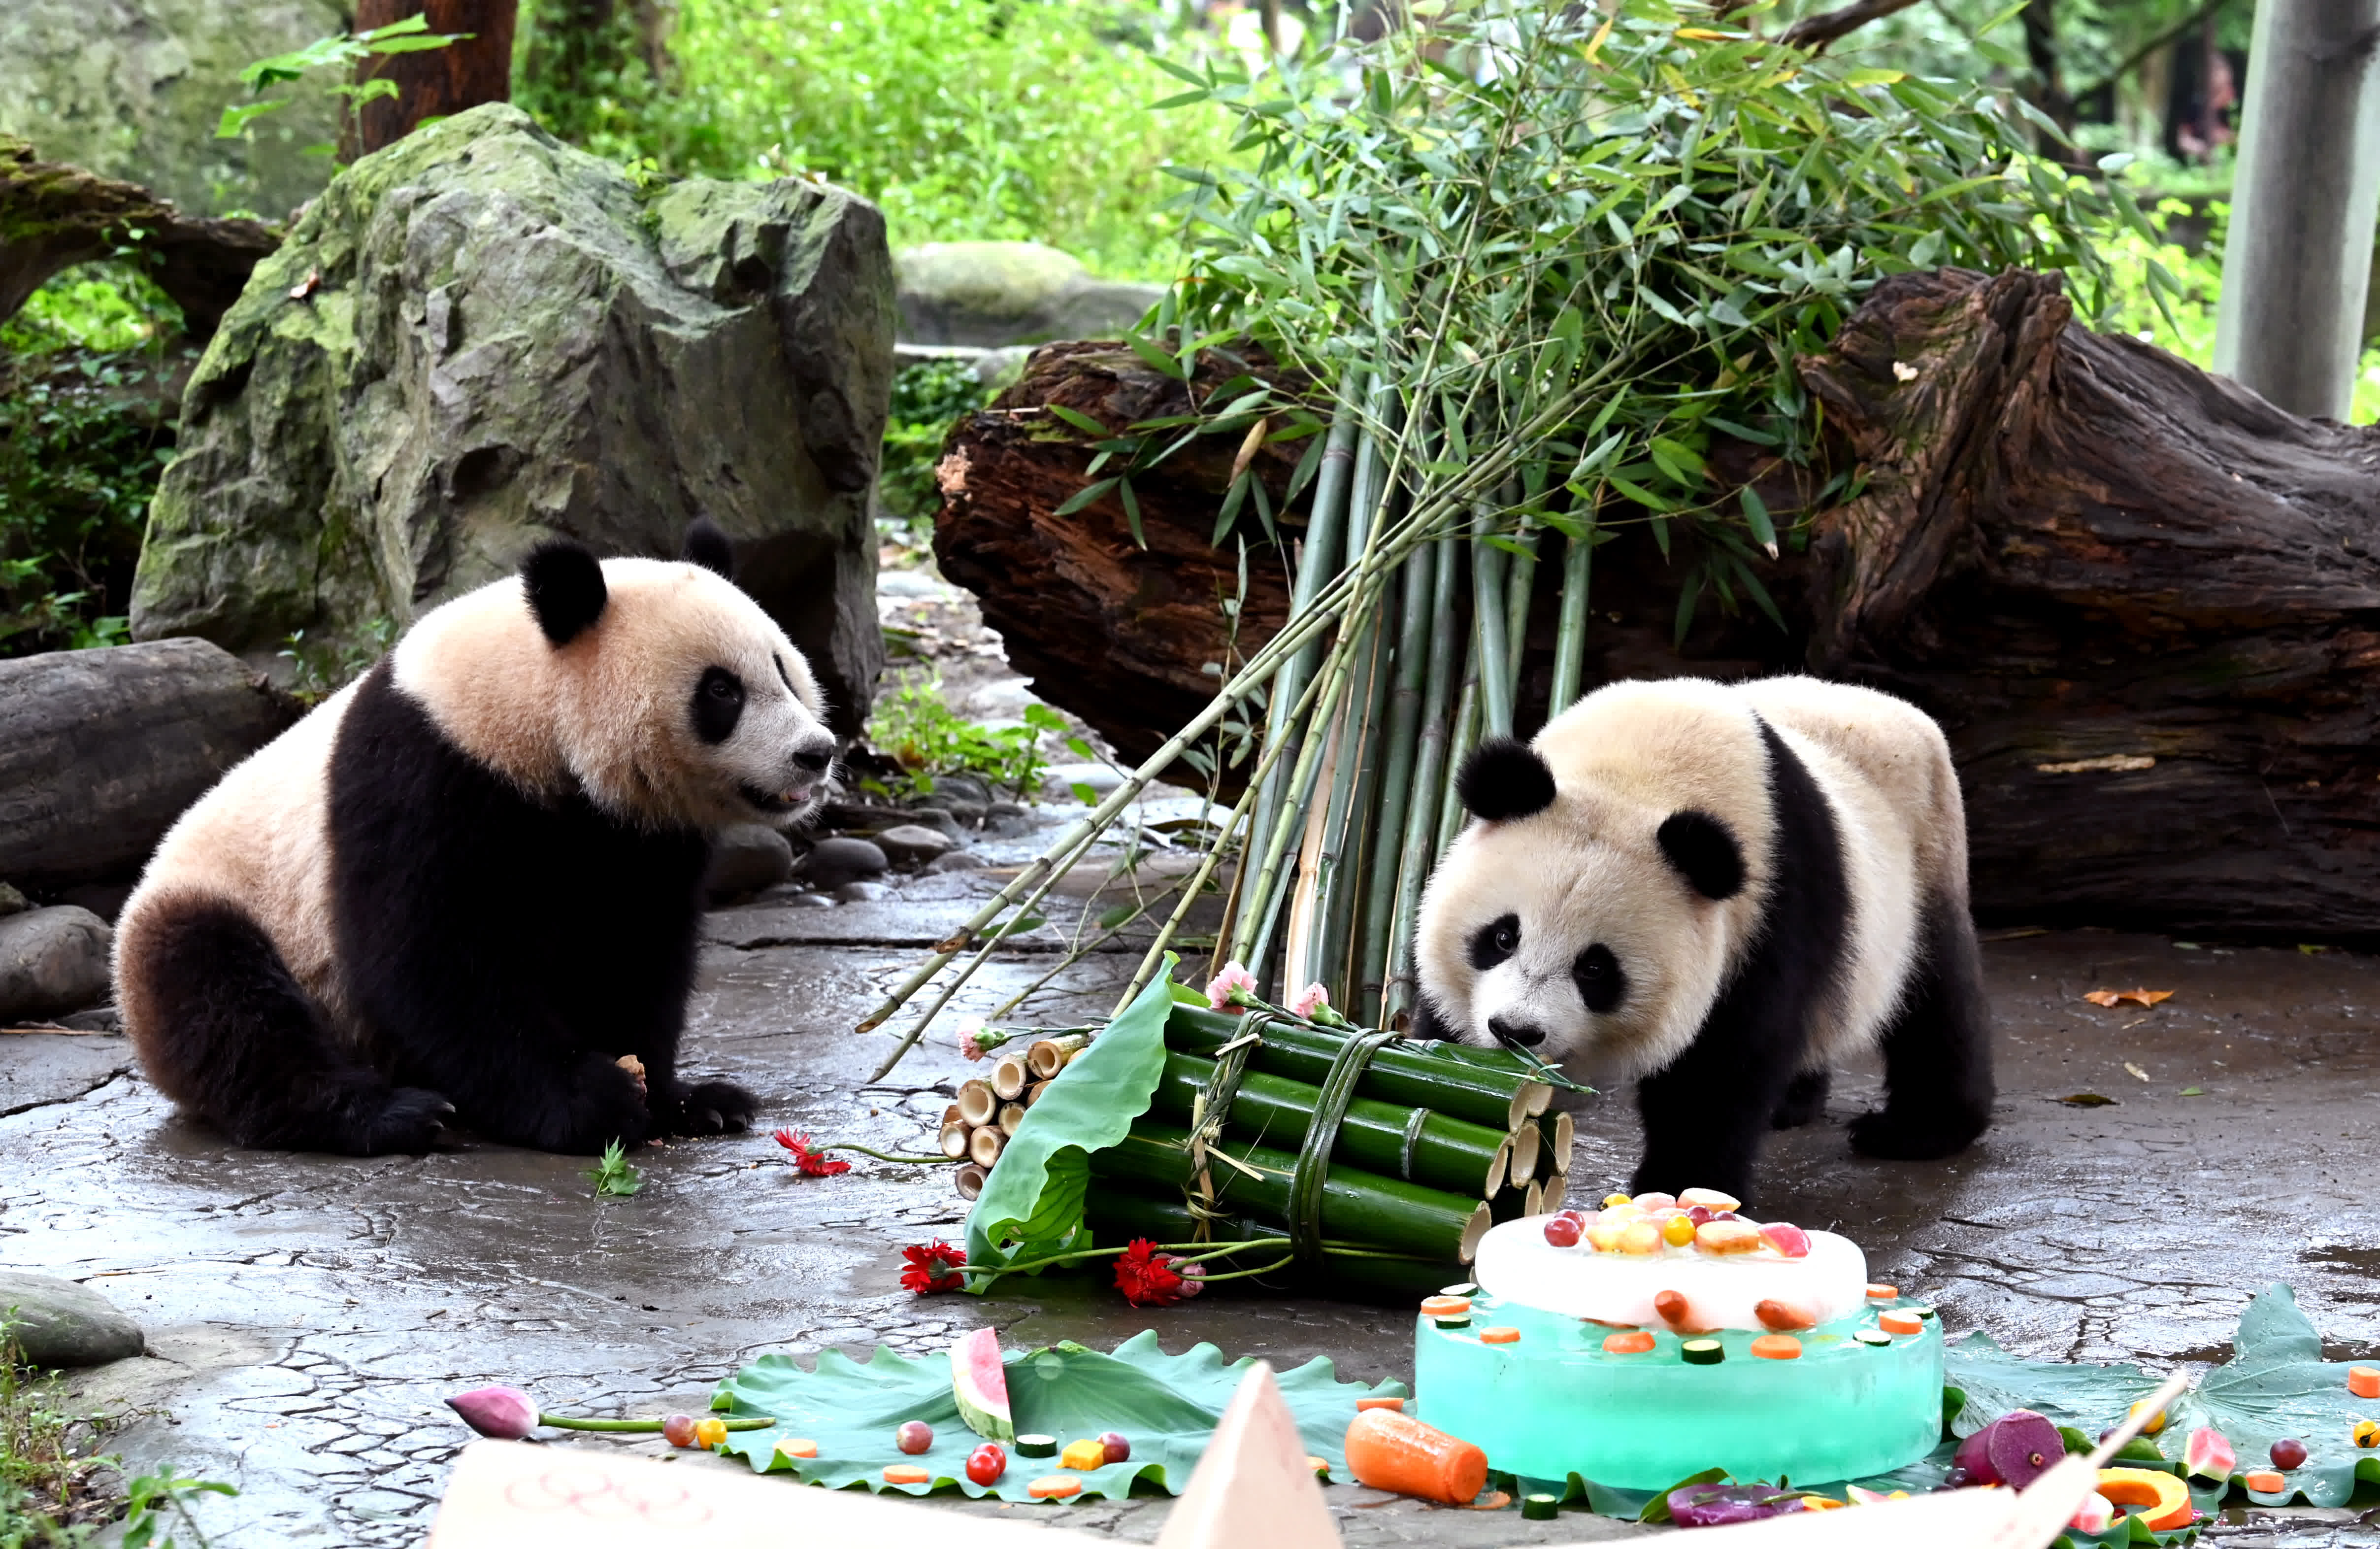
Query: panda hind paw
[714,1108]
[410,1120]
[1905,1135]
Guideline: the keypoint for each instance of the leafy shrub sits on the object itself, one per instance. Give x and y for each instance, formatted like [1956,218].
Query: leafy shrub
[914,728]
[928,398]
[962,120]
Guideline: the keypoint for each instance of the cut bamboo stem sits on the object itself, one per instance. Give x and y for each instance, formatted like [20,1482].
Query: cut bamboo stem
[985,1145]
[1407,1079]
[953,1140]
[977,1101]
[1033,1094]
[1011,1119]
[1526,1145]
[1047,1056]
[1501,1174]
[1562,1133]
[951,1115]
[968,1178]
[1008,1077]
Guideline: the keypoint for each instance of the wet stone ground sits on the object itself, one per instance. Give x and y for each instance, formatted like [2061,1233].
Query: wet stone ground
[307,1314]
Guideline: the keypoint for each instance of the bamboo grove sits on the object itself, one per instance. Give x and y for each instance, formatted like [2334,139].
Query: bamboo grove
[1541,259]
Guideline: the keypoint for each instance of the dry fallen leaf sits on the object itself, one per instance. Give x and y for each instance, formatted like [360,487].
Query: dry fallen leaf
[2101,997]
[2139,998]
[2087,1099]
[2135,1071]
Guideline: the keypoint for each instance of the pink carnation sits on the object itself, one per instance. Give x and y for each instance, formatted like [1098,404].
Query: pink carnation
[967,1044]
[1235,986]
[1312,998]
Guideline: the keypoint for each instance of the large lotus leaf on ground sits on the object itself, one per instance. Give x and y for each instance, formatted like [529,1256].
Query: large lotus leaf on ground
[1166,1405]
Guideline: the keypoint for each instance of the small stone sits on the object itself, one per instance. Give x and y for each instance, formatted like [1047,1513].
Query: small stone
[912,844]
[1004,810]
[834,861]
[61,1323]
[968,814]
[53,960]
[957,860]
[861,892]
[950,789]
[809,900]
[940,819]
[12,901]
[745,857]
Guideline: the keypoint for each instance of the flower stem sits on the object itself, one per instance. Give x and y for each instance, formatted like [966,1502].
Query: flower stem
[1244,1273]
[890,1155]
[574,1422]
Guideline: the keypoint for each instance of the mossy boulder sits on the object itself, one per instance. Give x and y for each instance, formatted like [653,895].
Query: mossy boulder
[479,337]
[993,294]
[133,89]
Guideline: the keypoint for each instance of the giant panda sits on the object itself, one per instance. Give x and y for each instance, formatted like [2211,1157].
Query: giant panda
[468,884]
[1720,889]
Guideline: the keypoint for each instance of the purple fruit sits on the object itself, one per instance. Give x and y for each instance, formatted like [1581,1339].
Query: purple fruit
[2288,1453]
[2014,1450]
[1716,1506]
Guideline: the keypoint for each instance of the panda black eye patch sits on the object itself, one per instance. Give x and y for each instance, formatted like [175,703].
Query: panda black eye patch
[783,676]
[718,705]
[1495,941]
[1601,982]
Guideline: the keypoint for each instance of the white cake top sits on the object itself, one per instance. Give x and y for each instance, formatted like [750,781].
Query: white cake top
[1761,1288]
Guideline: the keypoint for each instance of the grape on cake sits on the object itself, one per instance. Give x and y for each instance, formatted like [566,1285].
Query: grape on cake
[1664,1335]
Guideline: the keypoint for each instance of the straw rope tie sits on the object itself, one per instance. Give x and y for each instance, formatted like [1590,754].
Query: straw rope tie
[1213,1105]
[1312,1171]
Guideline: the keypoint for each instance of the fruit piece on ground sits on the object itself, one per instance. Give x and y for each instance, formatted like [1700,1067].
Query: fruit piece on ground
[1562,1231]
[1782,1317]
[2095,1515]
[1655,1202]
[1604,1236]
[2163,1500]
[1674,1311]
[1054,1487]
[1032,1445]
[1822,1503]
[1869,1497]
[2288,1453]
[1640,1237]
[1380,1401]
[1777,1346]
[2367,1433]
[710,1431]
[986,1464]
[1787,1239]
[1392,1451]
[907,1474]
[678,1430]
[1611,1200]
[914,1437]
[1634,1342]
[797,1446]
[1678,1230]
[1717,1506]
[2209,1454]
[1709,1199]
[981,1385]
[2363,1380]
[2014,1450]
[2263,1481]
[1118,1445]
[1725,1237]
[2155,1422]
[1085,1454]
[1321,1467]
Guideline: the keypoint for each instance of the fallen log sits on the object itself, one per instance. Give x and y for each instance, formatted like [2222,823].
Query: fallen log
[54,216]
[101,750]
[2144,603]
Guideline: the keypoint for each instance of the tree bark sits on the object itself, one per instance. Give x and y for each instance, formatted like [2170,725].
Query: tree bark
[431,83]
[2143,603]
[54,216]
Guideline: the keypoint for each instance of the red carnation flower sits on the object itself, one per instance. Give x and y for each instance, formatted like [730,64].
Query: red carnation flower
[933,1266]
[808,1157]
[1146,1277]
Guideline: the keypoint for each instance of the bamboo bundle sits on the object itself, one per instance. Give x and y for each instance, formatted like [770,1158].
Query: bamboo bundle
[1116,1215]
[1460,1088]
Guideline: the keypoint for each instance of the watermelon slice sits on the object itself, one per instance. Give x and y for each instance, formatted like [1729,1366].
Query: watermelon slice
[981,1385]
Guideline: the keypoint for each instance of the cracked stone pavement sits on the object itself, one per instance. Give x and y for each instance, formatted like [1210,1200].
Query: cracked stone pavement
[307,1314]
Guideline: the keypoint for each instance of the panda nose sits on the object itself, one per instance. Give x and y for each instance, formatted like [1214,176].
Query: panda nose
[815,758]
[1515,1033]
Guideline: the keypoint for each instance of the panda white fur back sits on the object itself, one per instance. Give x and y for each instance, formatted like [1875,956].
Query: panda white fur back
[1720,889]
[469,881]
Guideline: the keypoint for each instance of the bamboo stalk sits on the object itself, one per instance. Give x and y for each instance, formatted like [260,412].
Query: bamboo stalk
[1046,1056]
[951,1115]
[1011,1120]
[977,1101]
[1415,621]
[1340,880]
[952,1142]
[1521,585]
[1570,640]
[1358,1206]
[985,1145]
[1464,738]
[968,1178]
[1417,855]
[1401,1076]
[1448,1154]
[1120,1216]
[1008,1077]
[1488,609]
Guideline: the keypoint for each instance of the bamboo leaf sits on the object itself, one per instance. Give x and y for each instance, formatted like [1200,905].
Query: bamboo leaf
[1085,496]
[1076,417]
[1132,512]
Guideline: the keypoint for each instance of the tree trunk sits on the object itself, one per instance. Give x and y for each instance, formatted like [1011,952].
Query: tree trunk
[431,83]
[100,750]
[54,216]
[2143,603]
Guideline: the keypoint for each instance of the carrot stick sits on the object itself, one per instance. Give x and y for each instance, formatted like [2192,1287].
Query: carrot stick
[1391,1451]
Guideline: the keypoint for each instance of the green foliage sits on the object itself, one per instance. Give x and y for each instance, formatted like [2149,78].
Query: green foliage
[918,731]
[321,668]
[928,398]
[152,1495]
[106,308]
[612,1176]
[338,55]
[961,119]
[48,1491]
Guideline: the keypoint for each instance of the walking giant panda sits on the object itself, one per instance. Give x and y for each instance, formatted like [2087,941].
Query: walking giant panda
[468,882]
[1720,889]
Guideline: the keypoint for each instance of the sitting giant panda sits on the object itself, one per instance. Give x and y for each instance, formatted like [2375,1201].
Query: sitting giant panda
[1719,889]
[470,881]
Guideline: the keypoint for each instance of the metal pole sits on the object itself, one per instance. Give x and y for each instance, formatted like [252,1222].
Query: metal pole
[2289,323]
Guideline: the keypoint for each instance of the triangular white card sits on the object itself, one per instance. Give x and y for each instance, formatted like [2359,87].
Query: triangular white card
[1253,1484]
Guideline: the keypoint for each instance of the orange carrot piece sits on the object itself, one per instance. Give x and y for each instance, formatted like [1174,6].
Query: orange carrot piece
[1499,1335]
[1391,1451]
[1054,1487]
[1445,1306]
[2265,1481]
[797,1446]
[2363,1380]
[907,1473]
[1879,1292]
[1901,1322]
[1635,1343]
[1378,1402]
[1777,1346]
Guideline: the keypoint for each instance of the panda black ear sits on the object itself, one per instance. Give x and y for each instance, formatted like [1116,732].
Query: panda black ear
[1704,852]
[1504,779]
[707,546]
[565,588]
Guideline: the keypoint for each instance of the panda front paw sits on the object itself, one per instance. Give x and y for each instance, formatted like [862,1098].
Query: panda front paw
[708,1108]
[1911,1134]
[410,1120]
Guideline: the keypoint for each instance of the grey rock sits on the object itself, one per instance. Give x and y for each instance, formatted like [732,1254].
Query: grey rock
[53,960]
[966,814]
[61,1323]
[956,860]
[841,859]
[100,750]
[949,788]
[912,844]
[480,336]
[938,818]
[745,857]
[993,294]
[12,901]
[98,1019]
[809,900]
[1005,810]
[861,892]
[133,88]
